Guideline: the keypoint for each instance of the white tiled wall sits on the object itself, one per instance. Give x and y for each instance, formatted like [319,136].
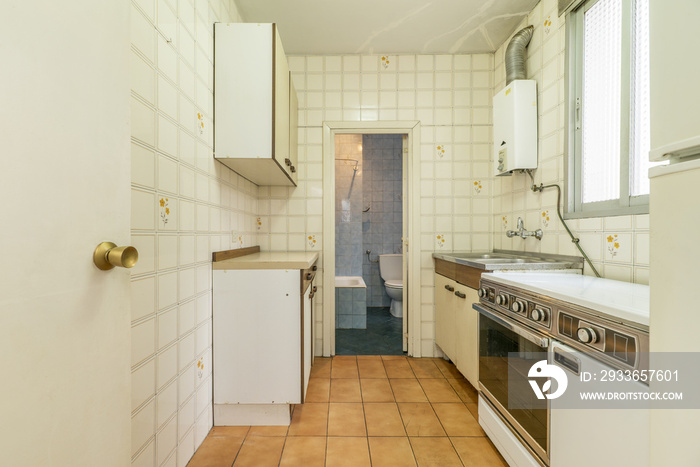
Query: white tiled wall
[450,95]
[618,246]
[184,206]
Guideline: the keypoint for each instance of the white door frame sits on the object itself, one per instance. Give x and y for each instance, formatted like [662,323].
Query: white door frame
[411,244]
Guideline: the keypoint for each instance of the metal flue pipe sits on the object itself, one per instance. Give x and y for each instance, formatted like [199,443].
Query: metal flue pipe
[515,54]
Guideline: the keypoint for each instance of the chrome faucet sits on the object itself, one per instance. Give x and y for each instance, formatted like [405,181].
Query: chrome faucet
[522,233]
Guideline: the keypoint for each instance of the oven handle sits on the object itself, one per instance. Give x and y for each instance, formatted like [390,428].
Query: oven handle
[536,339]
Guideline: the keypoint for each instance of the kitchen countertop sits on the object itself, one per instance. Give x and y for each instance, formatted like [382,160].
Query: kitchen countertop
[270,260]
[616,299]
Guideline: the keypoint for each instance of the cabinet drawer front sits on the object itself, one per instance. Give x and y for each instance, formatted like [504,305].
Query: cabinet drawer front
[458,272]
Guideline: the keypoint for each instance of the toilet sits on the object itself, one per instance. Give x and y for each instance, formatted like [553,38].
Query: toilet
[391,270]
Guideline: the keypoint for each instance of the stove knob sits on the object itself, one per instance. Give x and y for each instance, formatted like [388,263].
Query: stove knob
[587,335]
[502,299]
[519,306]
[538,314]
[483,292]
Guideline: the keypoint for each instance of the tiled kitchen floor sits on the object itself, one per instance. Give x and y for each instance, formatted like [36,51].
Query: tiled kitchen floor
[366,411]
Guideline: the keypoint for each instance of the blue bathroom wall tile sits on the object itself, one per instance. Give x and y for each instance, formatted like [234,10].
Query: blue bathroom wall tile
[344,307]
[344,322]
[359,307]
[359,293]
[359,321]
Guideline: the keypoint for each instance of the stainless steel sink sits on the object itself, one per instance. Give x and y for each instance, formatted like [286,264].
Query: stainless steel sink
[478,256]
[512,260]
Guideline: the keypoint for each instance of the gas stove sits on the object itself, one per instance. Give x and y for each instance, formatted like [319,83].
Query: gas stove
[580,324]
[588,313]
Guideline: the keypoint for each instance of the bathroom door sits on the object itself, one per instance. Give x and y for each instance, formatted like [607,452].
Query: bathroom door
[64,188]
[404,237]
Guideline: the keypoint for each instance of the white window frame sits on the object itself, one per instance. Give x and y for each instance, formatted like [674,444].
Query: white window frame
[626,203]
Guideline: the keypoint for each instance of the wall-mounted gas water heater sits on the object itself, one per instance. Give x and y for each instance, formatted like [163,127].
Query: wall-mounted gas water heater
[515,112]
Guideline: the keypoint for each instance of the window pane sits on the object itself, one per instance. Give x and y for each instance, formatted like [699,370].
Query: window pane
[640,124]
[601,101]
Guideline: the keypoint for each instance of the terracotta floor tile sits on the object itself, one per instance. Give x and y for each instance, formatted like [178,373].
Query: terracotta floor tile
[306,451]
[345,358]
[347,452]
[319,390]
[464,390]
[448,369]
[344,368]
[391,452]
[346,419]
[371,368]
[424,368]
[217,451]
[439,390]
[435,452]
[376,390]
[478,452]
[309,420]
[420,420]
[321,368]
[398,368]
[407,390]
[345,390]
[238,431]
[457,420]
[260,451]
[268,431]
[474,410]
[383,419]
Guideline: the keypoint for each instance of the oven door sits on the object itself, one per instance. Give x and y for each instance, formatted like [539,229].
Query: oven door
[507,350]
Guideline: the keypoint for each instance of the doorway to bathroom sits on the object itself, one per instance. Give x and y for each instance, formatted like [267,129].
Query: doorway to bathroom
[369,211]
[366,223]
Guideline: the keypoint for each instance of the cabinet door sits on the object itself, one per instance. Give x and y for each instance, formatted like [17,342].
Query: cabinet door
[467,351]
[257,329]
[445,315]
[307,338]
[243,97]
[281,98]
[293,129]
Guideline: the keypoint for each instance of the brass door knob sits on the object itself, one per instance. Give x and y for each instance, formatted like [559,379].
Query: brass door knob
[108,254]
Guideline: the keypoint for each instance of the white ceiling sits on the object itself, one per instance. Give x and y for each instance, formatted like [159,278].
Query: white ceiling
[389,26]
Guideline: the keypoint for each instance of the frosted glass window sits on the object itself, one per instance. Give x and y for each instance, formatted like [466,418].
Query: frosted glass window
[640,126]
[602,48]
[609,91]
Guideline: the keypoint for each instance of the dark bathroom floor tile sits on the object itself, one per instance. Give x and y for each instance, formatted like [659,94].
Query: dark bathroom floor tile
[382,336]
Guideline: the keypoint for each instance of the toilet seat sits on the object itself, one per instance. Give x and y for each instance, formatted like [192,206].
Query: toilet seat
[394,284]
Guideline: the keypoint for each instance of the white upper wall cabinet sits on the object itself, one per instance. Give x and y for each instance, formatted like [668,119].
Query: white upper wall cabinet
[254,117]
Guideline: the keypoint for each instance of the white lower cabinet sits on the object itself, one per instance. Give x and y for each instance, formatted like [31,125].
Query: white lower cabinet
[456,325]
[445,314]
[467,330]
[262,344]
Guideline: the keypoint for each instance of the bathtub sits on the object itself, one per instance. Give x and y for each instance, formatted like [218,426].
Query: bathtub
[350,302]
[349,281]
